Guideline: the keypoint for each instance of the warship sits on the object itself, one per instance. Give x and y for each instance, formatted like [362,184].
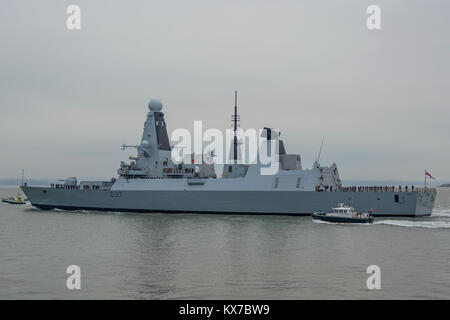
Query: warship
[152,182]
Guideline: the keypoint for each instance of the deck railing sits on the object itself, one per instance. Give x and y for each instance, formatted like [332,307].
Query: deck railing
[386,189]
[427,189]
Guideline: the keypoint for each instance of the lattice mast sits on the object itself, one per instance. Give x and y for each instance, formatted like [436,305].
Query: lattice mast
[235,120]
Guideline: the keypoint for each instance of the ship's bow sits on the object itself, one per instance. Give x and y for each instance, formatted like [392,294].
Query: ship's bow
[36,195]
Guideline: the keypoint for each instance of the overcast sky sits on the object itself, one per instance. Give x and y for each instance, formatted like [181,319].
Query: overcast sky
[69,99]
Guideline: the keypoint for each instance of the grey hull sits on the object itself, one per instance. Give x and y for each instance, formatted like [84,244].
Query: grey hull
[411,204]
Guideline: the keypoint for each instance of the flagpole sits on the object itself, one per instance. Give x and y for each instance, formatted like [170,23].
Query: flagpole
[425,178]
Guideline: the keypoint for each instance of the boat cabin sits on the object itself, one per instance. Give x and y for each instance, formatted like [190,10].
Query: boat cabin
[343,209]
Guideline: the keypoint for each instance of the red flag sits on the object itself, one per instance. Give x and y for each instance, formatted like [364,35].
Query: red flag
[429,175]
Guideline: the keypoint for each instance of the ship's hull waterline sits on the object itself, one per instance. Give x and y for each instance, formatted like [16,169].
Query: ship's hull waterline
[411,204]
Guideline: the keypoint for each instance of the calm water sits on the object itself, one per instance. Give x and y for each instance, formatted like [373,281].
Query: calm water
[194,256]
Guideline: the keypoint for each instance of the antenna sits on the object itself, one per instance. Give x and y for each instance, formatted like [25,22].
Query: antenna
[235,118]
[320,150]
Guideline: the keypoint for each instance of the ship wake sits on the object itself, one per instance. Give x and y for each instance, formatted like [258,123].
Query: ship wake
[416,224]
[441,212]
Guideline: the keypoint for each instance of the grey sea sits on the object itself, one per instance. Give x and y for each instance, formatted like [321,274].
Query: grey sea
[207,256]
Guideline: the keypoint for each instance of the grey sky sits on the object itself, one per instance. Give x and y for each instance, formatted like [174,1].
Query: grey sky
[69,99]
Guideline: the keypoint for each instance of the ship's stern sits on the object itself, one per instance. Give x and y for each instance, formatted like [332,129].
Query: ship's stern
[425,201]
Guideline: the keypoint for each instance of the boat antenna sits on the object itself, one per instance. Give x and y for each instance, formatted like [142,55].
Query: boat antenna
[320,150]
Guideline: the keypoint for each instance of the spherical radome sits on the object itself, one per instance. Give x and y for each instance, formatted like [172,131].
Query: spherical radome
[145,143]
[155,105]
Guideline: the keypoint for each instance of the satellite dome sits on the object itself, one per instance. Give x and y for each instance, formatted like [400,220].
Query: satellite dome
[155,105]
[145,143]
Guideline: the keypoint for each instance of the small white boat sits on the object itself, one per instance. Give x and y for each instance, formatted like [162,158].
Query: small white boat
[343,214]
